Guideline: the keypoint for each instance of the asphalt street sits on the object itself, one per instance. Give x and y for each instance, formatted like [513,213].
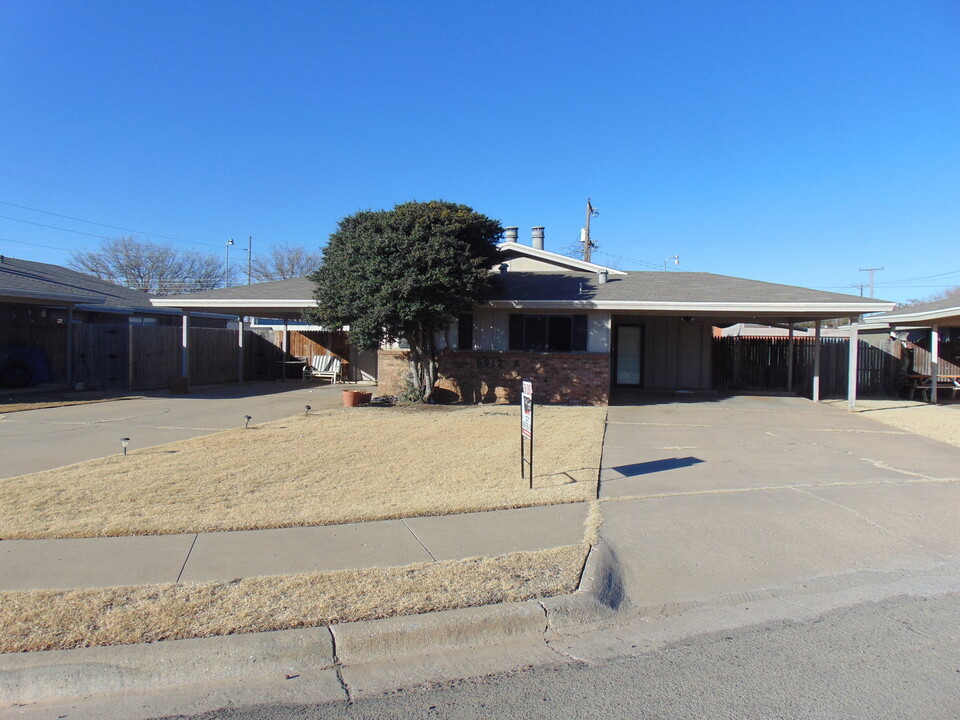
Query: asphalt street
[898,658]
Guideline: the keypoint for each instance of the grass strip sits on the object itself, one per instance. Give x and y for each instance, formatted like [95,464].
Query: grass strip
[63,619]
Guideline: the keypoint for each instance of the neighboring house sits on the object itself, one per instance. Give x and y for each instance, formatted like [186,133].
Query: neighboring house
[41,303]
[930,332]
[578,330]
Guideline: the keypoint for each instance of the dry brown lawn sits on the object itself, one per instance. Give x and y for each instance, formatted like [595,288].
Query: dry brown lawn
[940,422]
[331,467]
[62,619]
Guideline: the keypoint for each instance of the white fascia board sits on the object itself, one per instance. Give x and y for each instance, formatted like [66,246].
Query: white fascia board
[922,316]
[295,304]
[551,257]
[691,307]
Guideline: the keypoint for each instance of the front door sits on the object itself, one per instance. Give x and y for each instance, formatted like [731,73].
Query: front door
[628,349]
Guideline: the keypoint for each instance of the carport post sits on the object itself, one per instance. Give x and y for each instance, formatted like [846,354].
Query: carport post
[240,349]
[185,346]
[816,361]
[69,343]
[790,359]
[934,362]
[853,364]
[283,342]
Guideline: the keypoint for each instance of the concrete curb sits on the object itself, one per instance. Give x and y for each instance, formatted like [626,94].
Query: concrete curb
[61,674]
[65,674]
[600,596]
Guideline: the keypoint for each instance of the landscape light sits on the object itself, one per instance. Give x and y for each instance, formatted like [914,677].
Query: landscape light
[306,409]
[124,442]
[246,424]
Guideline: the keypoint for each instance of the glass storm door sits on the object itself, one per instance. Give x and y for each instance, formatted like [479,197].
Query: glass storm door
[629,345]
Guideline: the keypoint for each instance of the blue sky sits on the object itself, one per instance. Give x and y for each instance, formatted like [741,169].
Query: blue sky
[792,142]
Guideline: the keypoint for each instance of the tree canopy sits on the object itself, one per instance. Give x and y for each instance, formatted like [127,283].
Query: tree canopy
[153,268]
[404,274]
[284,262]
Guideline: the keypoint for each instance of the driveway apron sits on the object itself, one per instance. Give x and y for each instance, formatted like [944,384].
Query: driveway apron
[728,497]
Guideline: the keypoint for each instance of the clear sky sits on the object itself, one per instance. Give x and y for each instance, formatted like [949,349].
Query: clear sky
[792,142]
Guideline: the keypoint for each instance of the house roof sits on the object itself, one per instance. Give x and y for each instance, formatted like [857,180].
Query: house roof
[700,294]
[941,312]
[561,262]
[28,281]
[688,293]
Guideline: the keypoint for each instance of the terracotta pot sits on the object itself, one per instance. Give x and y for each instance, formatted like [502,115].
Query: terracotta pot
[353,398]
[177,385]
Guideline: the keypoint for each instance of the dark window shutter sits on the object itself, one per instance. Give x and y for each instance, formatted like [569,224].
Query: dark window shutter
[465,332]
[578,334]
[516,332]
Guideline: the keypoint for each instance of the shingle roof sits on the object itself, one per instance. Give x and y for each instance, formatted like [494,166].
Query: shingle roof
[296,288]
[675,287]
[24,277]
[951,304]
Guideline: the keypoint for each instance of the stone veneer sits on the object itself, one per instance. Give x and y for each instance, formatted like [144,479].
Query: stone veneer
[476,376]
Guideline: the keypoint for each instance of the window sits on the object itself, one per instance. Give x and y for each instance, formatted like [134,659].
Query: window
[465,332]
[554,333]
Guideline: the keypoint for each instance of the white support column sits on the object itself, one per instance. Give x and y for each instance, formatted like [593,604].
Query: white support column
[284,343]
[790,359]
[69,342]
[854,360]
[240,350]
[185,347]
[934,362]
[816,362]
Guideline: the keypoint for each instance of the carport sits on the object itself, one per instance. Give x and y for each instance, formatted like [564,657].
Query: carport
[931,317]
[281,299]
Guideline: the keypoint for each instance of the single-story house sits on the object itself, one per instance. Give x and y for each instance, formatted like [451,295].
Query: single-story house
[40,304]
[579,330]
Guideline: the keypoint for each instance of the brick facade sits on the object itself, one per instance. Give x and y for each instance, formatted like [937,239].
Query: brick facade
[489,376]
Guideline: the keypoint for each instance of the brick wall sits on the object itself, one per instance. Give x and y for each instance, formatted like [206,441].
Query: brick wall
[489,376]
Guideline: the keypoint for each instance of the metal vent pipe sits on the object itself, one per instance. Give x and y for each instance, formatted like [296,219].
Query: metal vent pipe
[537,236]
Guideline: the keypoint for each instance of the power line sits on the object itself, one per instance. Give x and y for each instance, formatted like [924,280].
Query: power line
[115,227]
[112,202]
[24,242]
[626,259]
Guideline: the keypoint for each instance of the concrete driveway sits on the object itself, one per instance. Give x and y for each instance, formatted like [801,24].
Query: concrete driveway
[34,440]
[728,499]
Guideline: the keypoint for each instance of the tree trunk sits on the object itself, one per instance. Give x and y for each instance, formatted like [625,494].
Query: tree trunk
[423,363]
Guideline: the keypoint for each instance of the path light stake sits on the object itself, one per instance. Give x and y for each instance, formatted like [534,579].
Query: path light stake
[246,423]
[124,442]
[306,409]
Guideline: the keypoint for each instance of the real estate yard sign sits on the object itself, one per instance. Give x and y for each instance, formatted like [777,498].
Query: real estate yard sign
[526,428]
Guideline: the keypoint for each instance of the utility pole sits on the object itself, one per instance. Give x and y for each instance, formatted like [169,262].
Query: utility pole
[226,264]
[871,271]
[858,285]
[249,258]
[587,245]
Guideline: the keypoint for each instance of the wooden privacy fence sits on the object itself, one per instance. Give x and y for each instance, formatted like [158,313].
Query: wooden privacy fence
[761,364]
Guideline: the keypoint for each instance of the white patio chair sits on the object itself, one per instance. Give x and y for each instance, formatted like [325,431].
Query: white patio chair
[323,366]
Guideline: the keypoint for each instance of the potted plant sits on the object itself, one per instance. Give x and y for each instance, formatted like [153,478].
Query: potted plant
[355,398]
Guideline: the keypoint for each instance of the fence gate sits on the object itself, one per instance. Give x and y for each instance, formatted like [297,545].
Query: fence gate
[101,355]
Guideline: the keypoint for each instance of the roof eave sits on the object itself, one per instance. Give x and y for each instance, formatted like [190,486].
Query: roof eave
[707,308]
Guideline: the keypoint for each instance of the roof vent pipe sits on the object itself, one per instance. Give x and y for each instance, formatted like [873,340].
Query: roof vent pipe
[602,277]
[510,234]
[537,237]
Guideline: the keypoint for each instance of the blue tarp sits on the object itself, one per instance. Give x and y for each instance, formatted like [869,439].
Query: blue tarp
[33,357]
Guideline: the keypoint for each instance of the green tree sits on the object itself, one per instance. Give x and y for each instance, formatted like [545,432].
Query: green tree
[404,274]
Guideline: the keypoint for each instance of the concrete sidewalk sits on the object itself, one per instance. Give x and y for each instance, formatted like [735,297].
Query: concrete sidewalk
[140,560]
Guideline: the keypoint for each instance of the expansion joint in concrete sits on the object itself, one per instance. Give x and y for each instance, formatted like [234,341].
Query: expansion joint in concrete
[338,668]
[187,558]
[426,549]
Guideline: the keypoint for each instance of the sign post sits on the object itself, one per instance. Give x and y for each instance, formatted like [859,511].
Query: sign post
[526,429]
